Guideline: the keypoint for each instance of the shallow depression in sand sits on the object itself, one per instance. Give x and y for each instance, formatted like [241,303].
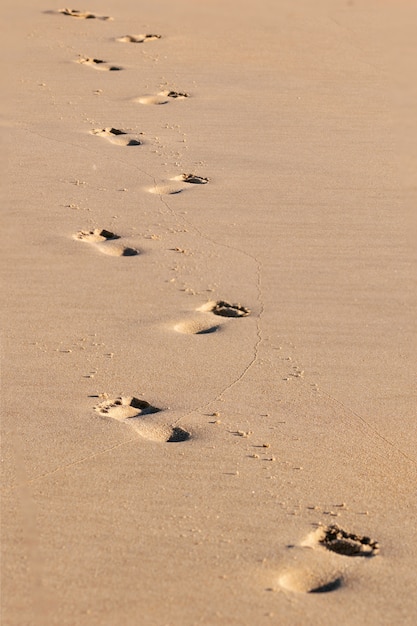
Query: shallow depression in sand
[117,136]
[196,327]
[308,581]
[139,414]
[342,542]
[225,309]
[125,407]
[137,38]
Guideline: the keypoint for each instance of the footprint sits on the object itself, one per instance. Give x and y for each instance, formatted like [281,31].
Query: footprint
[163,97]
[196,327]
[321,574]
[137,38]
[102,239]
[182,183]
[310,581]
[337,540]
[83,14]
[193,179]
[98,64]
[224,309]
[125,407]
[118,137]
[132,411]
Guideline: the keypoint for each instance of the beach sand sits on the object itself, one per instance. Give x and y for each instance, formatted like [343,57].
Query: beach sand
[209,329]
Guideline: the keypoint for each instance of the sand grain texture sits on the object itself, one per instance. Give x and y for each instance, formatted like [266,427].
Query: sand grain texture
[262,467]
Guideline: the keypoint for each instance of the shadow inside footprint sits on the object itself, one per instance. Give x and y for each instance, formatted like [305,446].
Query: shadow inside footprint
[208,331]
[330,586]
[196,327]
[117,250]
[178,435]
[338,540]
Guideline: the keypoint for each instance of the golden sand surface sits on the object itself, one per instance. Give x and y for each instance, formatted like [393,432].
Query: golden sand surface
[208,389]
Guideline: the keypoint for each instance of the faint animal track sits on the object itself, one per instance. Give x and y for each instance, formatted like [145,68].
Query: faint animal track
[98,64]
[225,309]
[102,238]
[83,14]
[183,181]
[337,540]
[118,137]
[137,38]
[196,327]
[308,581]
[134,412]
[163,97]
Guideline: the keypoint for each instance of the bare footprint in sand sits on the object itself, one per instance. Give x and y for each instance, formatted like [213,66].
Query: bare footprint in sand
[340,541]
[86,15]
[102,239]
[135,412]
[180,183]
[318,575]
[98,64]
[118,137]
[225,309]
[192,179]
[137,38]
[163,97]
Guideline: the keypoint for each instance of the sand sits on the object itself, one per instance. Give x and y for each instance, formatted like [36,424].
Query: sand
[209,313]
